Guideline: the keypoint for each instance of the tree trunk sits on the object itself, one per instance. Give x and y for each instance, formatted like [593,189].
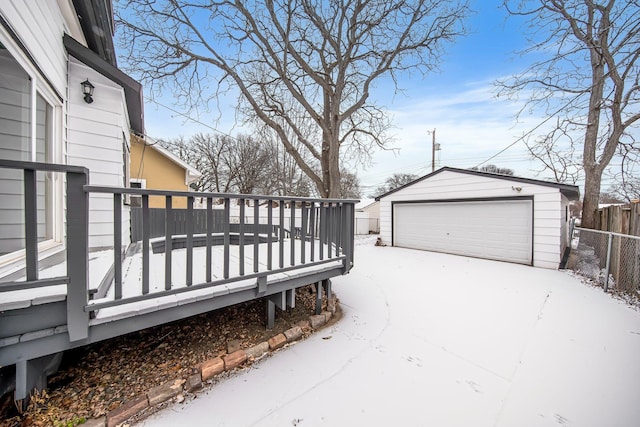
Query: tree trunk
[592,168]
[592,179]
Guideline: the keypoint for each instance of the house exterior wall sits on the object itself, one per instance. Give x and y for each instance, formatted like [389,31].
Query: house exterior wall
[565,229]
[33,70]
[159,172]
[373,210]
[40,26]
[374,216]
[547,217]
[98,138]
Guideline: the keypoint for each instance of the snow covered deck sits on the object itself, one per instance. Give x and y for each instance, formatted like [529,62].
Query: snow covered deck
[100,264]
[170,264]
[183,294]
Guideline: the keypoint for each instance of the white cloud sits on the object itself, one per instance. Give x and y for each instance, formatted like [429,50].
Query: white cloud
[471,126]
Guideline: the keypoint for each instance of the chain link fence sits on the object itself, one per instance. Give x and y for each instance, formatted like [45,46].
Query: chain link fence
[609,259]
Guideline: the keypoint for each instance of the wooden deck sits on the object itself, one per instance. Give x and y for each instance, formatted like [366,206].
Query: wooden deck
[99,294]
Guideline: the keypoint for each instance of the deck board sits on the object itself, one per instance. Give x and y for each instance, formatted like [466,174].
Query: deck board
[100,263]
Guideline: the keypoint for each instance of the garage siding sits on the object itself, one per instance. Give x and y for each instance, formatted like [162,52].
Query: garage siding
[454,185]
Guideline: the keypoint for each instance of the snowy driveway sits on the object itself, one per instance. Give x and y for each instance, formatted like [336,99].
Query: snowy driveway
[437,340]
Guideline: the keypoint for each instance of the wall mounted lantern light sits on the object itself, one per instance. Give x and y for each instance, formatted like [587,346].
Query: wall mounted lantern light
[87,90]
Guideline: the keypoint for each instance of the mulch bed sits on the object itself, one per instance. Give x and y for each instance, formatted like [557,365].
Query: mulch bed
[95,379]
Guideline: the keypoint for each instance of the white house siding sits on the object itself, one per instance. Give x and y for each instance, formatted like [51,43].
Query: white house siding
[40,25]
[95,135]
[566,218]
[374,216]
[454,185]
[15,144]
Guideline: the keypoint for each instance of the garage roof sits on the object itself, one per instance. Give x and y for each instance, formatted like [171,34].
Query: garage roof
[572,192]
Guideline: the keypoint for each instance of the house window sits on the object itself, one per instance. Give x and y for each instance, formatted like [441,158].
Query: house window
[27,125]
[136,200]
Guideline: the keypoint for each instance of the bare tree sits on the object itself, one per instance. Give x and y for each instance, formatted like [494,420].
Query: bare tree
[395,181]
[208,154]
[350,186]
[285,178]
[627,189]
[240,164]
[587,80]
[493,169]
[288,57]
[248,163]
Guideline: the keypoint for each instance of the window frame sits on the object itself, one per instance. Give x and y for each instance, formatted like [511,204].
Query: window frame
[54,149]
[135,200]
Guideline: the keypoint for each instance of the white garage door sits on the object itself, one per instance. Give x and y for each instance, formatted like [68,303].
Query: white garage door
[497,229]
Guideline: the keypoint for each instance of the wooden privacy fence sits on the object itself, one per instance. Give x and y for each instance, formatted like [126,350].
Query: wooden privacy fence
[623,219]
[615,245]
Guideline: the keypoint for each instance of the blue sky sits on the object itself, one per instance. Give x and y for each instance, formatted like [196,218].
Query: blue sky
[471,124]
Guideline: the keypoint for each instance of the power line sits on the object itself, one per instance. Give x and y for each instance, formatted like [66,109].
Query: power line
[549,117]
[188,117]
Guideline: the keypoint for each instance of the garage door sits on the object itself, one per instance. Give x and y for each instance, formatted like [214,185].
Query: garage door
[497,229]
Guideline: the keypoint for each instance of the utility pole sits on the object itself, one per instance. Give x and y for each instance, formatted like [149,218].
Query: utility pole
[434,147]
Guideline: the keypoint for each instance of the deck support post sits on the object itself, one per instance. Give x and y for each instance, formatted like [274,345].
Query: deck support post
[276,300]
[318,297]
[326,284]
[271,313]
[291,298]
[32,374]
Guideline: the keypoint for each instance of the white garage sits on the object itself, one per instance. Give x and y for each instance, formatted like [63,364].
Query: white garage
[482,215]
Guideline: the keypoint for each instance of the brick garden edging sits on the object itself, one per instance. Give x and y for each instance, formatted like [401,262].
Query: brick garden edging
[207,370]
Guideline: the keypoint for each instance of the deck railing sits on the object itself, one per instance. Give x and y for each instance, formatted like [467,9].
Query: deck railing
[77,233]
[306,232]
[326,224]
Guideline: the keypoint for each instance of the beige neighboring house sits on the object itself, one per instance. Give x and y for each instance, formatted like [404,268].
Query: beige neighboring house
[372,208]
[156,168]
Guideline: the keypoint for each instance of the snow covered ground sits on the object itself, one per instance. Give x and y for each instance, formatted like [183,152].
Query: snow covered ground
[432,339]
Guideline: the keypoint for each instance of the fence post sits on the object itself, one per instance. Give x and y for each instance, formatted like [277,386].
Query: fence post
[606,277]
[77,256]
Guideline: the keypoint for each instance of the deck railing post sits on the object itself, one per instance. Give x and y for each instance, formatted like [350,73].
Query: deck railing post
[31,223]
[322,229]
[241,237]
[292,234]
[209,253]
[146,233]
[312,229]
[77,256]
[348,238]
[281,241]
[256,237]
[303,233]
[117,245]
[330,228]
[269,234]
[189,278]
[227,219]
[168,241]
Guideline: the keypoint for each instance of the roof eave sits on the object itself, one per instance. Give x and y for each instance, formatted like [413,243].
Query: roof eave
[572,192]
[96,20]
